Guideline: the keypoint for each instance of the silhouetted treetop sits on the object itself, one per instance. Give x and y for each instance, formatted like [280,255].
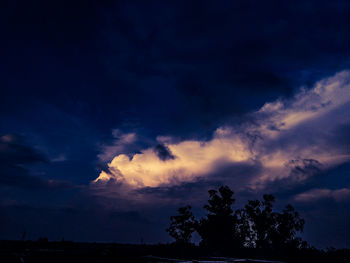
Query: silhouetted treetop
[182,225]
[218,229]
[224,230]
[220,202]
[264,228]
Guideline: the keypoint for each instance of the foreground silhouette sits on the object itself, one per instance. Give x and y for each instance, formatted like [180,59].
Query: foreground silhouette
[256,231]
[253,232]
[69,252]
[224,230]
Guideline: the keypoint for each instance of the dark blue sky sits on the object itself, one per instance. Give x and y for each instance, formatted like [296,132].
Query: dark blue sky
[85,81]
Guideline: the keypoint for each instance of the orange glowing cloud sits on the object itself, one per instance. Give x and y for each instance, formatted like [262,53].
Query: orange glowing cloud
[192,159]
[283,131]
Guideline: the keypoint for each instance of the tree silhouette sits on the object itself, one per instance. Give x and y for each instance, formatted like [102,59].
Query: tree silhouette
[218,230]
[265,229]
[289,223]
[182,226]
[259,222]
[224,231]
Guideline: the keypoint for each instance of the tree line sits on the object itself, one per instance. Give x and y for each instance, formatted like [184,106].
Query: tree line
[256,226]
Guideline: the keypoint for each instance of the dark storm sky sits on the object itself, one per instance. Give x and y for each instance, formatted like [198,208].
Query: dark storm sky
[85,81]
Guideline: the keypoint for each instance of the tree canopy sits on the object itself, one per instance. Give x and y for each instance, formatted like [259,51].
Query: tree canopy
[182,225]
[257,225]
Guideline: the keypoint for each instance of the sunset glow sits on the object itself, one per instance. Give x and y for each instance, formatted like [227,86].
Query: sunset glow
[310,111]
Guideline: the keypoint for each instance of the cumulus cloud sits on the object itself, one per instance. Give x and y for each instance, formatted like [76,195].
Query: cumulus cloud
[193,159]
[316,194]
[288,139]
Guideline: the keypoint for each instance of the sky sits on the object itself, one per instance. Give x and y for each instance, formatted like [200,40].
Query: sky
[115,113]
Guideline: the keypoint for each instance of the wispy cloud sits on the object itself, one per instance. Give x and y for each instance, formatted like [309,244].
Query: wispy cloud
[316,194]
[122,142]
[15,158]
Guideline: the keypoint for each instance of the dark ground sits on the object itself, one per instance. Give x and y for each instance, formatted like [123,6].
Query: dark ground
[67,251]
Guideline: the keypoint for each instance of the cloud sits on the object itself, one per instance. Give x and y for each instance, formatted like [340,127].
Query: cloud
[15,157]
[59,158]
[194,158]
[14,151]
[14,176]
[123,143]
[163,152]
[317,194]
[287,140]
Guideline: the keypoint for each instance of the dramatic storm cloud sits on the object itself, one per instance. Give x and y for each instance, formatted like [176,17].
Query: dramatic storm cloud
[288,140]
[110,107]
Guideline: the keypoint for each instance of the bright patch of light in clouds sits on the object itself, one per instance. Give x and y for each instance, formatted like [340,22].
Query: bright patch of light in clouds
[192,159]
[289,139]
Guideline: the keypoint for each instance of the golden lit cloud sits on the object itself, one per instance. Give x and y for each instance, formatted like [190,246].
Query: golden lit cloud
[192,159]
[282,135]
